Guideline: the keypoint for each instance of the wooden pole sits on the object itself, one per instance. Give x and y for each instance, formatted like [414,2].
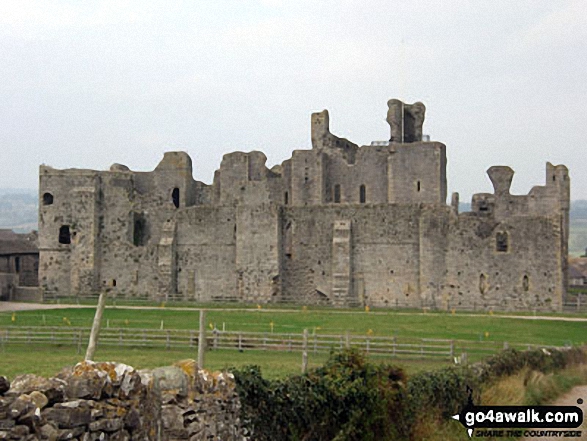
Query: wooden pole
[202,339]
[96,327]
[305,352]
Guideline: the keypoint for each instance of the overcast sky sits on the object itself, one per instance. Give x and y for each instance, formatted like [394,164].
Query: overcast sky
[86,84]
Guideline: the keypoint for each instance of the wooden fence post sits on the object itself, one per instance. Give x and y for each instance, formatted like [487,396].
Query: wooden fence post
[240,342]
[305,352]
[215,332]
[96,327]
[202,339]
[79,342]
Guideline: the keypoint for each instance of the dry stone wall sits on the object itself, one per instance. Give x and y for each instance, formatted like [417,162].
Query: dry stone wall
[115,402]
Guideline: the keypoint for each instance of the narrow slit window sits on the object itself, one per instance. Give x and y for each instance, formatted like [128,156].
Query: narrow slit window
[286,198]
[501,242]
[526,283]
[140,232]
[362,194]
[64,235]
[418,186]
[337,193]
[47,199]
[175,197]
[17,264]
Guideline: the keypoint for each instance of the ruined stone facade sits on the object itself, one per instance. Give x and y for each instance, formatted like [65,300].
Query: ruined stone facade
[338,224]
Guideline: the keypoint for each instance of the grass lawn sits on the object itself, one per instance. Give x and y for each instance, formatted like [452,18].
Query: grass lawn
[46,361]
[323,321]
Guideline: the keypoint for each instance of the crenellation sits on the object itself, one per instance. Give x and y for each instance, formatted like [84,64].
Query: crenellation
[336,224]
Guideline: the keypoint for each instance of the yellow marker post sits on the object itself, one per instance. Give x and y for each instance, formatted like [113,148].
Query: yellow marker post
[258,306]
[13,317]
[367,309]
[271,325]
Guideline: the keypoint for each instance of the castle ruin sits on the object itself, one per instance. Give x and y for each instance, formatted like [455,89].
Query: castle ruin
[339,224]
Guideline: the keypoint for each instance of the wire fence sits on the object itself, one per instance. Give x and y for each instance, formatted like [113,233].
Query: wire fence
[394,347]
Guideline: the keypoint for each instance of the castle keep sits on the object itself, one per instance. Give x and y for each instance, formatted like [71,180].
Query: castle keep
[338,224]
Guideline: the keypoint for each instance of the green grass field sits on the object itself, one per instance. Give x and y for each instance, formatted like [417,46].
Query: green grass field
[46,360]
[459,326]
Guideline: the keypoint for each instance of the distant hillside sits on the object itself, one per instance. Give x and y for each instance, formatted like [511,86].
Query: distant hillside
[18,211]
[578,233]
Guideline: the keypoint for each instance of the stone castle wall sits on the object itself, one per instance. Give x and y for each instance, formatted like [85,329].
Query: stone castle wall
[338,224]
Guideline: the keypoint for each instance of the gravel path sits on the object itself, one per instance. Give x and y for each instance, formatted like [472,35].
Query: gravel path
[16,306]
[570,399]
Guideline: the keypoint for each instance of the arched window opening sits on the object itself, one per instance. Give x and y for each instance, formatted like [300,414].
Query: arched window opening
[337,194]
[47,199]
[483,284]
[501,242]
[526,283]
[113,283]
[362,194]
[64,235]
[175,197]
[286,198]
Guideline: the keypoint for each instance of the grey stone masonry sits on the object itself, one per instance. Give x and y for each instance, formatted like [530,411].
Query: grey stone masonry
[112,401]
[338,224]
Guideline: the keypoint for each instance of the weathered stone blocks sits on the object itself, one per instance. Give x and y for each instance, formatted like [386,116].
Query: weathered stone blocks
[114,402]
